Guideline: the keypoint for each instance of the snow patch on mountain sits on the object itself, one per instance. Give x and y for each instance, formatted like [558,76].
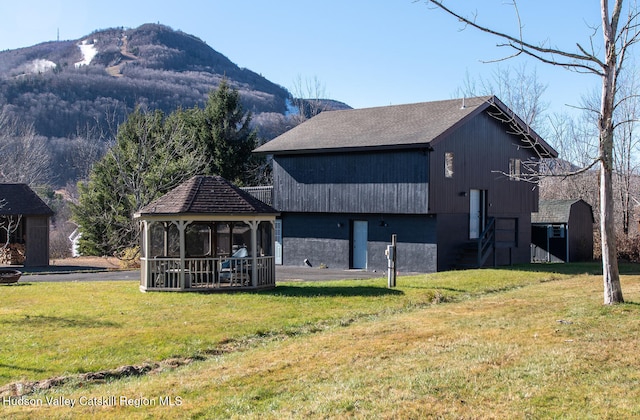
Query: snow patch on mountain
[291,108]
[88,52]
[40,66]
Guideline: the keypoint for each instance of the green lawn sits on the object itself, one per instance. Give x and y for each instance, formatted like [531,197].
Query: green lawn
[472,344]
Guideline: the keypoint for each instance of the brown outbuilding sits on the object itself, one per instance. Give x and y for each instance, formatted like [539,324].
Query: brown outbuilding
[562,231]
[24,226]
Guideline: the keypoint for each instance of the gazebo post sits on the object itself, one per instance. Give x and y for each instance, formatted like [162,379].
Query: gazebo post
[213,239]
[165,238]
[145,252]
[253,224]
[182,225]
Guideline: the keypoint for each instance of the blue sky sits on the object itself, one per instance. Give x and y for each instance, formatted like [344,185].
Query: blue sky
[364,52]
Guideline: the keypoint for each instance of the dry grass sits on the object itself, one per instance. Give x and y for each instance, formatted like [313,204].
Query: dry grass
[530,350]
[101,262]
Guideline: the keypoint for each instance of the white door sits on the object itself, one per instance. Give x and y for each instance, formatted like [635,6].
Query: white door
[360,236]
[278,240]
[476,213]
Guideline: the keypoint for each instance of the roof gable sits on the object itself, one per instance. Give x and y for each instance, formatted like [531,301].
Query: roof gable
[19,199]
[207,195]
[556,211]
[398,126]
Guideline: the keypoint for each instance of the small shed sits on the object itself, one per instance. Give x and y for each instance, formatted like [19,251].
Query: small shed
[207,235]
[28,235]
[562,231]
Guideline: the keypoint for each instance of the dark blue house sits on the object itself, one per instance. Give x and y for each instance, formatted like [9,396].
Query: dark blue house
[446,177]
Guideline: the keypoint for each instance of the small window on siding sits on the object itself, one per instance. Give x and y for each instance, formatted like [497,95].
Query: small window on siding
[514,169]
[448,165]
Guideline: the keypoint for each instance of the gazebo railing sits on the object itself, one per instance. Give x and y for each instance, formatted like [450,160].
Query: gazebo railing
[207,273]
[266,271]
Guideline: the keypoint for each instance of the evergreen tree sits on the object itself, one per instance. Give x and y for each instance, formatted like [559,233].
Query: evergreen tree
[152,155]
[155,153]
[226,136]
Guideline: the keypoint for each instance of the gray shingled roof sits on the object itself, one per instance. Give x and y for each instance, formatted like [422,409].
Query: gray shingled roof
[20,199]
[385,127]
[207,195]
[553,211]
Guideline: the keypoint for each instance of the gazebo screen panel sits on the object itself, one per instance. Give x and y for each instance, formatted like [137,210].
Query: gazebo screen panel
[231,236]
[265,239]
[156,245]
[173,241]
[241,237]
[223,245]
[197,239]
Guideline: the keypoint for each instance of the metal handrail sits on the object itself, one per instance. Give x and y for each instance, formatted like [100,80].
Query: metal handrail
[487,241]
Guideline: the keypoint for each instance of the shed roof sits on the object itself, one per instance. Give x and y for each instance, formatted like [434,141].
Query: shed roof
[207,195]
[398,126]
[19,199]
[555,211]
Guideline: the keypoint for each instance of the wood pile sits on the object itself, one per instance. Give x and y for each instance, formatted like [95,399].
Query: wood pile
[14,254]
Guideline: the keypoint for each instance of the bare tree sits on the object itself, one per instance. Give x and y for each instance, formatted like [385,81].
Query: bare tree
[24,155]
[8,225]
[308,97]
[627,142]
[571,137]
[85,151]
[619,33]
[519,88]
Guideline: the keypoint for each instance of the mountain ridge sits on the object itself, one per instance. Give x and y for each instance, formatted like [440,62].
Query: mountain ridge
[55,85]
[75,93]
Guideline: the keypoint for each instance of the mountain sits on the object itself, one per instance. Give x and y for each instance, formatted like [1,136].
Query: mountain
[63,87]
[60,86]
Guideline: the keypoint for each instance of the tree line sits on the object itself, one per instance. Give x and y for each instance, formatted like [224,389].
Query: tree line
[154,152]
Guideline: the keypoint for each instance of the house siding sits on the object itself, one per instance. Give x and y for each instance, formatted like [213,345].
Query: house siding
[356,182]
[453,236]
[482,149]
[321,193]
[326,239]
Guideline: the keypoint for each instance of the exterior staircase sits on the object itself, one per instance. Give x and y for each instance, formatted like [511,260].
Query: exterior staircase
[498,233]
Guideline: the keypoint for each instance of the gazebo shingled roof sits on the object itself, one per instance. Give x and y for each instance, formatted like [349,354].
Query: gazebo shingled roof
[207,195]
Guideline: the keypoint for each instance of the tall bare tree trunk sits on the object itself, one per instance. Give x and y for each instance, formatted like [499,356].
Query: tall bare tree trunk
[610,272]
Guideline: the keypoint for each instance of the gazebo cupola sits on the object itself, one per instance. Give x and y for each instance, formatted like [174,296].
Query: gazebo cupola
[207,234]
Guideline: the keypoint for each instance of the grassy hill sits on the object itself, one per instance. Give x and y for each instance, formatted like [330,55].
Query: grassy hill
[472,344]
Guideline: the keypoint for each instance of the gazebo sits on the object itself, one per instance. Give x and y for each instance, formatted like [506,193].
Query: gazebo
[207,235]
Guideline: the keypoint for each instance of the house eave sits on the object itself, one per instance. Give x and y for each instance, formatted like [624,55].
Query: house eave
[426,146]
